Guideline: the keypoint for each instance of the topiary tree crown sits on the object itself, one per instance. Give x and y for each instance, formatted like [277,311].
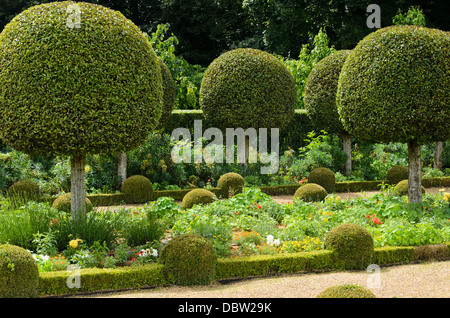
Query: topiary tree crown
[248,88]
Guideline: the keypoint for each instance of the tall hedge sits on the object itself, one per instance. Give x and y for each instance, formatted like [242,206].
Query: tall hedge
[70,89]
[394,86]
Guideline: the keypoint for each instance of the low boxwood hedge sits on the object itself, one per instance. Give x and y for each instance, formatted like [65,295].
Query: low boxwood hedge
[95,280]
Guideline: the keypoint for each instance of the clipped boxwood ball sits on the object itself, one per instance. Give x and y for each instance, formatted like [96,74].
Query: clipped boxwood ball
[197,196]
[137,189]
[248,88]
[230,182]
[397,173]
[324,177]
[24,189]
[19,274]
[63,203]
[311,192]
[352,246]
[402,188]
[189,259]
[67,89]
[346,291]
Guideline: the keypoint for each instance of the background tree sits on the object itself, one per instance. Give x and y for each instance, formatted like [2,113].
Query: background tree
[95,88]
[394,87]
[320,99]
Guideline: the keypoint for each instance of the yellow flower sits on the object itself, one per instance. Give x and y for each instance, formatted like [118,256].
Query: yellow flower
[74,243]
[338,198]
[447,197]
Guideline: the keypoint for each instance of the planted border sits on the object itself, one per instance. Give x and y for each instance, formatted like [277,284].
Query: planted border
[151,275]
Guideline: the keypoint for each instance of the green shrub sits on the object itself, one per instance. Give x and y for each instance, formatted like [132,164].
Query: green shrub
[137,189]
[319,94]
[230,182]
[396,174]
[346,291]
[24,190]
[311,192]
[351,244]
[63,203]
[189,259]
[248,88]
[99,87]
[402,188]
[197,196]
[169,93]
[19,274]
[323,177]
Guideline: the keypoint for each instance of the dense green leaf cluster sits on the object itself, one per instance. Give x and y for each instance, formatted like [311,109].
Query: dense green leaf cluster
[394,86]
[92,89]
[319,96]
[248,88]
[168,100]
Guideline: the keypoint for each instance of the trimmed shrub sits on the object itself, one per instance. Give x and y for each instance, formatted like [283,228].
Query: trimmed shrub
[19,274]
[63,203]
[352,245]
[393,84]
[189,259]
[137,189]
[24,189]
[346,291]
[323,177]
[248,88]
[311,192]
[230,182]
[397,174]
[320,92]
[197,196]
[92,89]
[169,93]
[402,188]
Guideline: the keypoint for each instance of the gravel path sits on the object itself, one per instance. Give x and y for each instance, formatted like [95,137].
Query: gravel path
[425,280]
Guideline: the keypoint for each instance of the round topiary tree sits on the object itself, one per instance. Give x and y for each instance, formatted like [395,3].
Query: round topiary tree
[394,87]
[396,174]
[137,189]
[401,188]
[189,259]
[77,79]
[323,177]
[63,203]
[247,88]
[19,274]
[197,196]
[311,192]
[319,97]
[168,101]
[230,182]
[346,291]
[352,246]
[24,190]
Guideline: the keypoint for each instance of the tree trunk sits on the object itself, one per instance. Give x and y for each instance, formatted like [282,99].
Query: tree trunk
[78,187]
[415,173]
[438,152]
[347,142]
[122,167]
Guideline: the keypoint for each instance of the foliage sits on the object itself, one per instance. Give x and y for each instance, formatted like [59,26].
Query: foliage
[137,189]
[405,85]
[311,192]
[414,16]
[346,291]
[323,177]
[247,88]
[319,96]
[111,110]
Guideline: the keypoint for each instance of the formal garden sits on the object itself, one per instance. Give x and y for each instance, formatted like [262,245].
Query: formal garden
[93,196]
